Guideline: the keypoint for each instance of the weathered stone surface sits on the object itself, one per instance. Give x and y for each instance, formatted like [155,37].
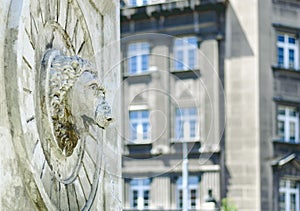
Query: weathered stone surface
[38,173]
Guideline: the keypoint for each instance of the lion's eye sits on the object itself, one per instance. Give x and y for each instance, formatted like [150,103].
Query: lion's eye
[94,86]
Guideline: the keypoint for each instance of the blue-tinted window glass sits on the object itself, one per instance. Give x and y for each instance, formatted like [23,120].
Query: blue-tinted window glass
[178,42]
[135,199]
[133,131]
[145,114]
[179,128]
[146,198]
[138,54]
[145,130]
[280,38]
[291,57]
[179,60]
[186,115]
[145,62]
[192,41]
[192,59]
[292,40]
[133,115]
[192,111]
[139,119]
[280,56]
[193,128]
[133,64]
[185,52]
[132,47]
[145,46]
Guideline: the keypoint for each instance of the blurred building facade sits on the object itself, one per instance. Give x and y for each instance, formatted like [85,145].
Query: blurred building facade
[224,77]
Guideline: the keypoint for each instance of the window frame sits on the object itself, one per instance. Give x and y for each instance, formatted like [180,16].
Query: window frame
[287,119]
[141,186]
[139,52]
[140,120]
[186,117]
[185,47]
[286,47]
[288,191]
[190,188]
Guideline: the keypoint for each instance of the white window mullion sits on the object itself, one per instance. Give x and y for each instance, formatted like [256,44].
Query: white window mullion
[286,52]
[288,195]
[286,126]
[296,49]
[296,128]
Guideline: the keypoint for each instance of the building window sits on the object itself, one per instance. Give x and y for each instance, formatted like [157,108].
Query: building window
[138,57]
[185,53]
[289,195]
[186,124]
[287,51]
[288,124]
[139,193]
[138,2]
[193,199]
[139,125]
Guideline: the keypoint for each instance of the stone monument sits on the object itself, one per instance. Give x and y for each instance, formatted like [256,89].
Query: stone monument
[59,144]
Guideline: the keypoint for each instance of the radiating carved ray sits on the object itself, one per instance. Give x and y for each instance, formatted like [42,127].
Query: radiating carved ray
[68,197]
[63,197]
[53,189]
[58,196]
[72,22]
[62,13]
[42,11]
[79,37]
[68,41]
[43,168]
[82,188]
[52,9]
[72,197]
[81,47]
[50,184]
[28,51]
[89,158]
[88,176]
[74,30]
[27,63]
[34,28]
[57,10]
[79,193]
[39,157]
[30,40]
[27,90]
[85,184]
[30,119]
[67,14]
[93,137]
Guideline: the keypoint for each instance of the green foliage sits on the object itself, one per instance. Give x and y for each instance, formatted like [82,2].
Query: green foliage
[228,205]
